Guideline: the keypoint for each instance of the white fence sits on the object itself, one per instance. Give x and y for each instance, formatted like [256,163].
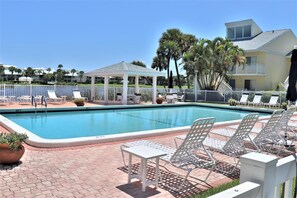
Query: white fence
[146,93]
[262,175]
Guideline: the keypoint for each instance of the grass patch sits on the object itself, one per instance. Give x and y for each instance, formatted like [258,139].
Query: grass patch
[216,190]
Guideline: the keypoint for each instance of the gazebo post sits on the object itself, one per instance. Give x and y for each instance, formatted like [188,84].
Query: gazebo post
[106,89]
[154,89]
[136,84]
[125,89]
[93,88]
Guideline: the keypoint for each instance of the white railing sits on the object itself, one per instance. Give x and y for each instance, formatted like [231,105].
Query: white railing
[248,69]
[262,176]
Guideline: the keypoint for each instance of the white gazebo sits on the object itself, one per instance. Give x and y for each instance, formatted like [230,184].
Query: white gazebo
[123,70]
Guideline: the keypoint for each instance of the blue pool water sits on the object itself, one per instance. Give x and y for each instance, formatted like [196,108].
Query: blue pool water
[72,124]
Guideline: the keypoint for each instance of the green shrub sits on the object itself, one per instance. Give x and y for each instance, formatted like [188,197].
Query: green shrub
[232,102]
[14,140]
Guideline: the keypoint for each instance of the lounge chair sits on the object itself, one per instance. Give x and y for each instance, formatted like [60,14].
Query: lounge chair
[137,98]
[270,135]
[119,97]
[234,146]
[273,101]
[53,97]
[257,100]
[170,98]
[77,95]
[185,156]
[244,99]
[4,99]
[25,99]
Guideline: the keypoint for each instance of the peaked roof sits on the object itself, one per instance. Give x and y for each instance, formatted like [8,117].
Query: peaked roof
[260,40]
[119,69]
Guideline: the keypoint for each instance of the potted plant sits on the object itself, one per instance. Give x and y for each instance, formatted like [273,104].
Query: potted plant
[79,102]
[232,102]
[159,99]
[11,148]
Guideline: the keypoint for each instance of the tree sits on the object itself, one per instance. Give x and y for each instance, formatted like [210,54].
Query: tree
[212,60]
[49,70]
[2,69]
[29,72]
[73,71]
[81,75]
[139,63]
[12,69]
[172,45]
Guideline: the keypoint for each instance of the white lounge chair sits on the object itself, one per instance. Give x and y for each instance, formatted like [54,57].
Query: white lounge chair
[273,101]
[234,147]
[25,99]
[4,99]
[77,95]
[170,98]
[137,98]
[119,97]
[243,99]
[185,156]
[257,100]
[270,135]
[53,97]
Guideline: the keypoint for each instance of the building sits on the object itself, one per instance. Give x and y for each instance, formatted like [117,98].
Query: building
[267,55]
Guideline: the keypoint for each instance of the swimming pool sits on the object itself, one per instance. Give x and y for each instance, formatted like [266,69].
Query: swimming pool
[105,122]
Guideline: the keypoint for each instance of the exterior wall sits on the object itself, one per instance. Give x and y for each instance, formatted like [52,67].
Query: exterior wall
[276,71]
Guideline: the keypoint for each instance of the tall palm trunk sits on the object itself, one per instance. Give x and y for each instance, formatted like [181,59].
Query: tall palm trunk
[177,73]
[168,62]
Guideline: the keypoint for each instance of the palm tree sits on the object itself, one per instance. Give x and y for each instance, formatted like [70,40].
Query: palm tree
[49,70]
[212,59]
[29,72]
[73,71]
[2,69]
[139,63]
[12,69]
[81,75]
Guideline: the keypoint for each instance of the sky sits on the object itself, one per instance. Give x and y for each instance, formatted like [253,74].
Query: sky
[90,34]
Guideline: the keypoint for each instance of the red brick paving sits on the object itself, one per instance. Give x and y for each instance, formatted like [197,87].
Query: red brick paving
[88,171]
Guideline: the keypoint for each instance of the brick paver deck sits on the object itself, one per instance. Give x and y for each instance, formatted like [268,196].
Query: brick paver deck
[89,171]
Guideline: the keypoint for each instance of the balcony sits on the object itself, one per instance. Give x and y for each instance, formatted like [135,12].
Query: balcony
[254,69]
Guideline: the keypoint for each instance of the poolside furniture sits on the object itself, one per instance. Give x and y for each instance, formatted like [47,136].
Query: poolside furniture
[256,100]
[243,99]
[77,95]
[25,99]
[270,136]
[119,97]
[234,146]
[4,99]
[137,98]
[145,153]
[53,97]
[280,134]
[181,98]
[170,98]
[229,131]
[273,101]
[185,156]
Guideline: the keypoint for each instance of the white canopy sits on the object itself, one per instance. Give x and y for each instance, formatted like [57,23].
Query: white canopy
[124,69]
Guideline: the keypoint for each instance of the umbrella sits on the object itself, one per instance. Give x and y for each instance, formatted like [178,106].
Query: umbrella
[291,92]
[170,85]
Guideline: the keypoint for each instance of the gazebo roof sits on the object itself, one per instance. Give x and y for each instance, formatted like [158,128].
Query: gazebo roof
[122,68]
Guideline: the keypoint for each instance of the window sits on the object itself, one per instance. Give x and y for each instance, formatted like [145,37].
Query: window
[247,31]
[239,32]
[251,60]
[250,85]
[231,33]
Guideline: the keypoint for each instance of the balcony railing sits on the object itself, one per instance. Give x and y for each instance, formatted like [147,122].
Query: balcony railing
[255,69]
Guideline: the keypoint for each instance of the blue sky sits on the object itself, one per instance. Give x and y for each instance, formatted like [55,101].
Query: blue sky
[89,34]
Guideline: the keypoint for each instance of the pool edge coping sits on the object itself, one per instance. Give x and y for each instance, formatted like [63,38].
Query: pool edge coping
[37,141]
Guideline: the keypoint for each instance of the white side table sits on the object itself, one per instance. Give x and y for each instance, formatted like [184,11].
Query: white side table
[144,153]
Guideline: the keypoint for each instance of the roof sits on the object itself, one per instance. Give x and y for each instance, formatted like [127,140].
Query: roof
[119,69]
[258,41]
